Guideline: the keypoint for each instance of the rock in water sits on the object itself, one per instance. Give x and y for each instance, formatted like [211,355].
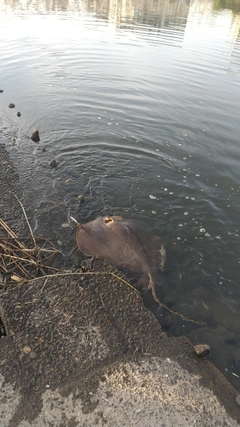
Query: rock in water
[202,350]
[35,136]
[53,163]
[11,105]
[80,198]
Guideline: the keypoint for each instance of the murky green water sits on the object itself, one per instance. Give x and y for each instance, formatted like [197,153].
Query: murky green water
[138,102]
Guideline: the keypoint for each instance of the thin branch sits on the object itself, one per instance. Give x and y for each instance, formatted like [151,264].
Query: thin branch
[165,160]
[11,233]
[24,212]
[74,220]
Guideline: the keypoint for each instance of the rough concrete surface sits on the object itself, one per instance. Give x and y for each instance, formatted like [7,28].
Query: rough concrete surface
[153,392]
[82,350]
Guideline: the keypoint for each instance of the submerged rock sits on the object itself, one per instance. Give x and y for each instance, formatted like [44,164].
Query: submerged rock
[35,136]
[53,163]
[65,225]
[68,181]
[166,322]
[11,105]
[202,350]
[80,198]
[1,91]
[18,114]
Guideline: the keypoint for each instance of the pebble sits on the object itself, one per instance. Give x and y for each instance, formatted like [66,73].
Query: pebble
[35,136]
[27,349]
[11,105]
[68,181]
[1,91]
[238,399]
[202,350]
[65,225]
[80,198]
[18,114]
[44,149]
[53,163]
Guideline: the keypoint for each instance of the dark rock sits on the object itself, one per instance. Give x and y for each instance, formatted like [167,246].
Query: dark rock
[35,136]
[11,105]
[53,163]
[202,350]
[44,149]
[166,322]
[19,114]
[1,91]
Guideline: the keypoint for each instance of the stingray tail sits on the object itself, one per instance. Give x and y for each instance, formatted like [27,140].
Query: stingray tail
[152,286]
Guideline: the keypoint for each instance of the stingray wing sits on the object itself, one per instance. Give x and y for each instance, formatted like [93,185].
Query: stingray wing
[116,240]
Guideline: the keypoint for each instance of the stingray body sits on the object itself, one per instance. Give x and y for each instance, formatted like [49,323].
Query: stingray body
[120,242]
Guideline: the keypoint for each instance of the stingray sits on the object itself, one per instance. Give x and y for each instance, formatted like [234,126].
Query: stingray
[120,242]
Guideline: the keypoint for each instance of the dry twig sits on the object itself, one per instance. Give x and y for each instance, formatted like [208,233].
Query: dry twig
[24,212]
[19,262]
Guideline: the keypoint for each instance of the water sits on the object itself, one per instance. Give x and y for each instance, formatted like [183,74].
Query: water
[139,105]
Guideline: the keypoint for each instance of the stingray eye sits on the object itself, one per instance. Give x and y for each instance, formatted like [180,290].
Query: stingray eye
[108,220]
